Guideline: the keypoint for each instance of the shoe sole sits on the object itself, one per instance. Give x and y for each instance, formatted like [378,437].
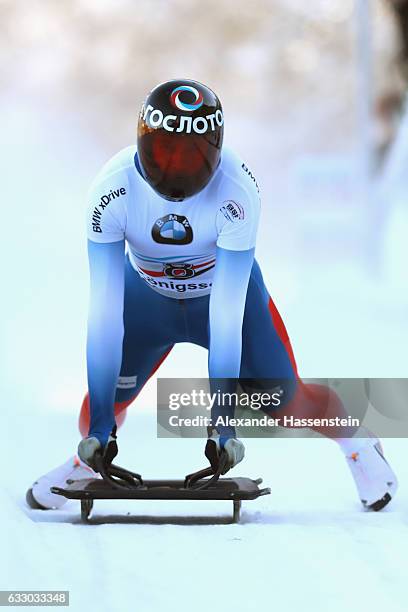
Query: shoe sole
[380,504]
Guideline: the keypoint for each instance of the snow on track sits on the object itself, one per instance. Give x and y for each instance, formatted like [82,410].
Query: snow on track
[307,545]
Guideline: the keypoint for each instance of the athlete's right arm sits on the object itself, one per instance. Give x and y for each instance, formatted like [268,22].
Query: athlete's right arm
[105,333]
[106,223]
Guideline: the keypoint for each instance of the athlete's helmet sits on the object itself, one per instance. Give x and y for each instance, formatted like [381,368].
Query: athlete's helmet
[179,138]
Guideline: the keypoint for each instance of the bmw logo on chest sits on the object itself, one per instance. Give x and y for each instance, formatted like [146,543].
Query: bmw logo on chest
[172,229]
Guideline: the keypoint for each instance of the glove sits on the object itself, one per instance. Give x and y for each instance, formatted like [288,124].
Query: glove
[90,448]
[234,449]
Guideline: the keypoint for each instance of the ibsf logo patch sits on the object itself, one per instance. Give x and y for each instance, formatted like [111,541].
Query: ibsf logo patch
[172,229]
[233,211]
[177,102]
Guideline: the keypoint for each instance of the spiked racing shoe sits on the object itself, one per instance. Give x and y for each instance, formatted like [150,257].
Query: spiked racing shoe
[375,481]
[39,496]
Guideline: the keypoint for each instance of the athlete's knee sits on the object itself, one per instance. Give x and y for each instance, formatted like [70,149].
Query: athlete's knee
[323,401]
[313,401]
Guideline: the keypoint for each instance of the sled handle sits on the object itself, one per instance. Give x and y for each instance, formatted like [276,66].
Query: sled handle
[191,479]
[118,477]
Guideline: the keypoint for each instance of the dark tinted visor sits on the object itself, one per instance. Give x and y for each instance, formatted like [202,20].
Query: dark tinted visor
[177,165]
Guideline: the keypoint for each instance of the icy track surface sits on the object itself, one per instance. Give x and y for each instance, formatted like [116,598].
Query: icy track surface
[307,546]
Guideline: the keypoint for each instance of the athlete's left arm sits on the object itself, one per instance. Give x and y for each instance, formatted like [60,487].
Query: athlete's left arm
[227,305]
[226,316]
[237,223]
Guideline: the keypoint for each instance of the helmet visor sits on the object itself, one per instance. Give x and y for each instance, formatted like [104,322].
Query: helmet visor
[177,165]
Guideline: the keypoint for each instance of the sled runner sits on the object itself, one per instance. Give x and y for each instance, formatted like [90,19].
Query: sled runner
[118,483]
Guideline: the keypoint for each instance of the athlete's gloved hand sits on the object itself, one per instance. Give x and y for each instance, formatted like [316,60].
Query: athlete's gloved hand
[234,449]
[89,449]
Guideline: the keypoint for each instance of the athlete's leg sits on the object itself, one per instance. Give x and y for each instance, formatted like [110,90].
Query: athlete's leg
[267,354]
[74,469]
[152,325]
